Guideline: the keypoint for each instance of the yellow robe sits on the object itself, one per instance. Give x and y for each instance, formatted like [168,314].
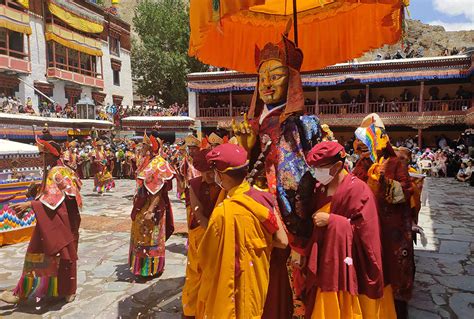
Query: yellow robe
[193,275]
[343,305]
[235,233]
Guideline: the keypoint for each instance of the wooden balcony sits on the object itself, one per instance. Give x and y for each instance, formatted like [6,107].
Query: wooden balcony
[11,60]
[13,64]
[71,76]
[399,113]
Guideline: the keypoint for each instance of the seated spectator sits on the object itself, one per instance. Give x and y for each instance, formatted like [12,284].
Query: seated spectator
[465,172]
[394,105]
[398,55]
[454,51]
[406,96]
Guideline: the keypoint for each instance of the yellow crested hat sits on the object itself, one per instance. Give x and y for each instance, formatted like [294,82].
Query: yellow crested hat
[215,139]
[372,118]
[191,141]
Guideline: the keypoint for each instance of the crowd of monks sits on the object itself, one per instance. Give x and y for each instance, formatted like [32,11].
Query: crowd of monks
[278,226]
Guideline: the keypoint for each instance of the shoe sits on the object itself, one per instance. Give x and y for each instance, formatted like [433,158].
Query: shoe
[8,297]
[70,298]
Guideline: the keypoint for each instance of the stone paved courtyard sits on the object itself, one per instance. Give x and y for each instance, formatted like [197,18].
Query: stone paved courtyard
[444,281]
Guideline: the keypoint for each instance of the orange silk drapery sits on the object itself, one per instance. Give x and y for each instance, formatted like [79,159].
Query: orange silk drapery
[337,31]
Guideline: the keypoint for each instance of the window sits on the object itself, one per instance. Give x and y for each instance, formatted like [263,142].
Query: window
[116,75]
[114,45]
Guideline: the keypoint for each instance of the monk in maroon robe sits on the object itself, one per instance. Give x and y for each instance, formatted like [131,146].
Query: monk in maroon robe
[391,184]
[343,258]
[50,267]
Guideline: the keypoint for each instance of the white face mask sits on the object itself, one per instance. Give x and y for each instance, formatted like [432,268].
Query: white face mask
[323,176]
[217,180]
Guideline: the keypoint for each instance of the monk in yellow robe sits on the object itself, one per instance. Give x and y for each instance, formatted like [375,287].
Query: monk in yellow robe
[234,254]
[201,197]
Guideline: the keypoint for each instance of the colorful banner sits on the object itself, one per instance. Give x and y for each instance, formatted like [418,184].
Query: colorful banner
[14,229]
[24,3]
[310,80]
[14,20]
[76,17]
[73,40]
[26,133]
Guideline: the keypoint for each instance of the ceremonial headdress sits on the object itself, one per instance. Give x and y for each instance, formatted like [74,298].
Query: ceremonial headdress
[290,56]
[215,139]
[324,153]
[192,141]
[227,157]
[152,141]
[372,118]
[50,147]
[372,133]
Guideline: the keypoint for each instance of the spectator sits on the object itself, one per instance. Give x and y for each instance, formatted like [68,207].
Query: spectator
[465,172]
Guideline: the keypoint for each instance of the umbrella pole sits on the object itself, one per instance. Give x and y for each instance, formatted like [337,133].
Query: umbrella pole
[295,22]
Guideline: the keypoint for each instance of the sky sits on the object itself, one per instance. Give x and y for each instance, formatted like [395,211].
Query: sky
[453,15]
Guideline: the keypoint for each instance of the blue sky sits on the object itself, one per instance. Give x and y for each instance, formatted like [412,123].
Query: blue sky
[453,15]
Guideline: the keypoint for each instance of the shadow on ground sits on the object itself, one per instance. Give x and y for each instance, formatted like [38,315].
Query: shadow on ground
[177,248]
[160,300]
[31,307]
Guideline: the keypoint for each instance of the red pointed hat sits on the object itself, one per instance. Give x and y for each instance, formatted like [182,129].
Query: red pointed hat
[325,153]
[227,157]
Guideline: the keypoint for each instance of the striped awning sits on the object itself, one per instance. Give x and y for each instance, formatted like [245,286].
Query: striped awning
[76,16]
[14,20]
[311,80]
[73,40]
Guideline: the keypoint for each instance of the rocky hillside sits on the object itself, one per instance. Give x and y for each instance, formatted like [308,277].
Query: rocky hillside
[126,9]
[431,38]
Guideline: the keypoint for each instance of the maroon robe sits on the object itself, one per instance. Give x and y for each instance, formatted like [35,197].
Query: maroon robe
[346,254]
[396,232]
[206,195]
[362,167]
[164,205]
[56,234]
[279,302]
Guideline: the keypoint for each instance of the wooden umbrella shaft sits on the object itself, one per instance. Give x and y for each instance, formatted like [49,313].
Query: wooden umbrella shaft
[295,22]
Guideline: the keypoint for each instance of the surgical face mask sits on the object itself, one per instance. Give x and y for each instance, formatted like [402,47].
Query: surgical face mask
[323,175]
[217,179]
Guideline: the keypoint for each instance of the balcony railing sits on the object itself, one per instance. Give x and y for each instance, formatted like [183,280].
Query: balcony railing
[14,60]
[75,69]
[446,105]
[440,106]
[214,112]
[393,107]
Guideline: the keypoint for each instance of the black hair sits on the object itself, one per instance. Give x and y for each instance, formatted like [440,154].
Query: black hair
[154,133]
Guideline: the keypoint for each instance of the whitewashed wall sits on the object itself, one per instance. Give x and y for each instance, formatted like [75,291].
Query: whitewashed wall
[39,70]
[126,88]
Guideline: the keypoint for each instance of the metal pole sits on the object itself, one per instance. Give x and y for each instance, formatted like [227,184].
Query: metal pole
[295,22]
[38,91]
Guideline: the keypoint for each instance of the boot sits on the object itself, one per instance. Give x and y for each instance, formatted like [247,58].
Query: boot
[70,298]
[8,297]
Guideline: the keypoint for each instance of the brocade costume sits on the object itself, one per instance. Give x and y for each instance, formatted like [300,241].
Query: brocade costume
[50,267]
[148,236]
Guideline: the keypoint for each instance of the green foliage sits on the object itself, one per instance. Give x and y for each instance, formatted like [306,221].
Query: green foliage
[160,61]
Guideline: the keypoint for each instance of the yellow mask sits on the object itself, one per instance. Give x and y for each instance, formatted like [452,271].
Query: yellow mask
[382,139]
[273,82]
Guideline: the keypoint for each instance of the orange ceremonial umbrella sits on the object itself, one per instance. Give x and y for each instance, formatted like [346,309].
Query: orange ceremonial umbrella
[224,33]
